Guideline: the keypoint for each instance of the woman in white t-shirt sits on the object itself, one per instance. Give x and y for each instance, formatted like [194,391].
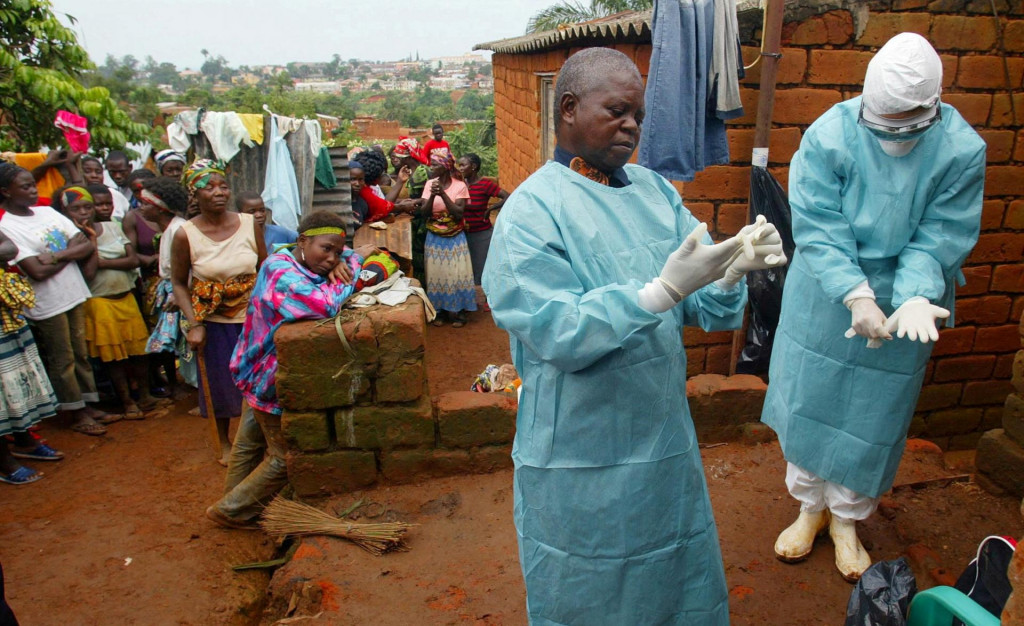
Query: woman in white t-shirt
[49,248]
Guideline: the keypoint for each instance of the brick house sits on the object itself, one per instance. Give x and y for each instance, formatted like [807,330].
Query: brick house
[826,49]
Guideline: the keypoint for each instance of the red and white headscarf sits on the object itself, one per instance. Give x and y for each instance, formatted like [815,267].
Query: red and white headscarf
[408,146]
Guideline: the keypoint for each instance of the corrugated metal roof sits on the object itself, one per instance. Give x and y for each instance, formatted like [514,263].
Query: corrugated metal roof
[622,26]
[628,27]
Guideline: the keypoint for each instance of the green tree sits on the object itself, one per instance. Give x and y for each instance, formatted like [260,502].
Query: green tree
[165,74]
[574,12]
[41,65]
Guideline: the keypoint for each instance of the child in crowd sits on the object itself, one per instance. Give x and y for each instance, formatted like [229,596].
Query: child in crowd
[135,180]
[26,396]
[163,202]
[251,203]
[92,172]
[436,145]
[292,285]
[114,330]
[49,248]
[102,201]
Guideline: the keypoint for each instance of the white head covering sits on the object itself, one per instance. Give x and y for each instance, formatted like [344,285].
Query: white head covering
[905,74]
[166,156]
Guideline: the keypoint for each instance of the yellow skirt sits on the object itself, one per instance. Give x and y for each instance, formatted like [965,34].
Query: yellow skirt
[114,329]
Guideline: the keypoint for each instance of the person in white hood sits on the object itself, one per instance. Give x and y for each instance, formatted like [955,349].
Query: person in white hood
[886,195]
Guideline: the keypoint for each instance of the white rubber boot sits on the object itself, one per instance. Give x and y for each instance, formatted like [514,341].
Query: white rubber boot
[796,542]
[851,557]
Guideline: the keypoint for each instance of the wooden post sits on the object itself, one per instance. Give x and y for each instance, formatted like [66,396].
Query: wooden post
[771,42]
[204,384]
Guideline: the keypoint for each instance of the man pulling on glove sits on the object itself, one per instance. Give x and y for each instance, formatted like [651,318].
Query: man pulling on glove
[594,268]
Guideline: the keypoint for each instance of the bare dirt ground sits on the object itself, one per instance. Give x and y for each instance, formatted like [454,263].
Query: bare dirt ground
[139,494]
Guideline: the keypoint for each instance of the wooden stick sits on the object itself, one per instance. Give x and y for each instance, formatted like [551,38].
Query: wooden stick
[204,383]
[943,481]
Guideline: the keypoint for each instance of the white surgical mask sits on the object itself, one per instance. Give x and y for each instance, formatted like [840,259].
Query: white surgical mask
[897,148]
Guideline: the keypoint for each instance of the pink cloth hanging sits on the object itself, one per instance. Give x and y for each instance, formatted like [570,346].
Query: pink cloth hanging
[75,129]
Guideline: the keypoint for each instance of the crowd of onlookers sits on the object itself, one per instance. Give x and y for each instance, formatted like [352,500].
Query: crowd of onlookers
[146,283]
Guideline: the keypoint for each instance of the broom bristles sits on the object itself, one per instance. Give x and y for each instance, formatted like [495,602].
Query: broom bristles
[287,517]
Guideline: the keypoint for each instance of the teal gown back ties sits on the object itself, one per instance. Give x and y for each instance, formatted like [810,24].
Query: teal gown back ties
[611,507]
[904,224]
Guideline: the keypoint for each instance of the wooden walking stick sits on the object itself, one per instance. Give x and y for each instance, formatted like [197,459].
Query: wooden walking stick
[204,383]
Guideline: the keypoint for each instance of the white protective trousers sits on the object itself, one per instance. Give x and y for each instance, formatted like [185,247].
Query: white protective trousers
[816,494]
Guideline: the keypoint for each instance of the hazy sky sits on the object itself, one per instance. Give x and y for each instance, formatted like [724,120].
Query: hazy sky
[261,32]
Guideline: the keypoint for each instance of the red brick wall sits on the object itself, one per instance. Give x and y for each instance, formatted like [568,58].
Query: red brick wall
[824,60]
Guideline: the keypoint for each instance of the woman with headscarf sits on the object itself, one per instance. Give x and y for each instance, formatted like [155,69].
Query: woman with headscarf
[214,260]
[407,154]
[170,163]
[163,202]
[446,254]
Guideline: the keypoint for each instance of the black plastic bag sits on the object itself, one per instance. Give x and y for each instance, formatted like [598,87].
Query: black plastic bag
[764,287]
[882,595]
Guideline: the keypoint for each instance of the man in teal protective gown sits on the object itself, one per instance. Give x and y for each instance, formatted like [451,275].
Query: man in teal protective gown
[594,268]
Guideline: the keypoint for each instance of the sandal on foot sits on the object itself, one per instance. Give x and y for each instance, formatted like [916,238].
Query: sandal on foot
[157,403]
[20,476]
[134,414]
[154,413]
[437,322]
[93,429]
[41,452]
[108,418]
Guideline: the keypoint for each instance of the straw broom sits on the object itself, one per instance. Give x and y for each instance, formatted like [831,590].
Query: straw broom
[287,517]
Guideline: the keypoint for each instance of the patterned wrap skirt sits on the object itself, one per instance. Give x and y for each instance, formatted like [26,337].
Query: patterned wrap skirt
[26,395]
[449,273]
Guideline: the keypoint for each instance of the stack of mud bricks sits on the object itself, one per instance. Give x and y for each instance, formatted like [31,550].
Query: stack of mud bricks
[1000,459]
[361,415]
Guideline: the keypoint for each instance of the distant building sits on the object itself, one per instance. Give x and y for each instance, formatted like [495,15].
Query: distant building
[462,59]
[320,86]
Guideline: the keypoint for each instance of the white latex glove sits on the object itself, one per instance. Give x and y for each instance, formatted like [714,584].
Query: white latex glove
[693,265]
[867,320]
[916,319]
[762,247]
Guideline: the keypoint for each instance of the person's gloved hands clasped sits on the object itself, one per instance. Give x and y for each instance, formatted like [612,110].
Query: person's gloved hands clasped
[693,265]
[867,320]
[762,247]
[916,319]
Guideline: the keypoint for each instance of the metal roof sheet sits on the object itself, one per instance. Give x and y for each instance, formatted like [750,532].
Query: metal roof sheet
[627,27]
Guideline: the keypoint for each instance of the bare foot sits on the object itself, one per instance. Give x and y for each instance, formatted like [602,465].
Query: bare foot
[225,456]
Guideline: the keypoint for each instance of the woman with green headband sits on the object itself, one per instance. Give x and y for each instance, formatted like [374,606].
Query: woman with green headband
[214,259]
[292,285]
[115,332]
[49,248]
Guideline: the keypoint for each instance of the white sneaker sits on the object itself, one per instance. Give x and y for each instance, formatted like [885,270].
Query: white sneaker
[851,557]
[796,542]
